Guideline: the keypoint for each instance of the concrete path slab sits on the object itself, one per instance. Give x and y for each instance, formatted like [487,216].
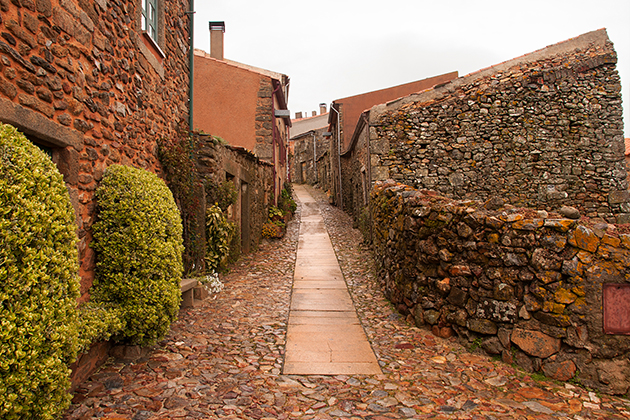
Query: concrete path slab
[324,335]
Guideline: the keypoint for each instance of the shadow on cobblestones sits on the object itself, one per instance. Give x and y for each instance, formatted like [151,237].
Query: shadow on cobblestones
[224,359]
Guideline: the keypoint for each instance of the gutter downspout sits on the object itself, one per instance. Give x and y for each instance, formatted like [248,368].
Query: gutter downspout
[191,64]
[332,106]
[316,176]
[273,143]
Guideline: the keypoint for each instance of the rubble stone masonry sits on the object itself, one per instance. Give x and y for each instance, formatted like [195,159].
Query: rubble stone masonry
[81,79]
[543,130]
[523,284]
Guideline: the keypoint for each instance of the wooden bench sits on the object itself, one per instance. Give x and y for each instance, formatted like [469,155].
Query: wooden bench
[193,292]
[188,292]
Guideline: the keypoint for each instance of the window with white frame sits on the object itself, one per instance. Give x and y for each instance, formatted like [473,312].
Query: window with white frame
[150,18]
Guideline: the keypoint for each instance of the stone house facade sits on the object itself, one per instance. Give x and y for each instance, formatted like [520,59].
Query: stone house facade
[543,130]
[252,179]
[345,114]
[85,82]
[308,147]
[307,153]
[245,106]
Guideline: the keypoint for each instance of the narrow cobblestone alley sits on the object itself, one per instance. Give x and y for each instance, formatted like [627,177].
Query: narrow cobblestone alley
[224,359]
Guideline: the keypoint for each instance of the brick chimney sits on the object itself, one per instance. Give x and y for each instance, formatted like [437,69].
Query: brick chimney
[216,39]
[322,109]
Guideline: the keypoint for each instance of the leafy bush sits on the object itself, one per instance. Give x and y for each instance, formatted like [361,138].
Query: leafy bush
[223,195]
[272,230]
[285,200]
[38,282]
[97,323]
[218,235]
[275,213]
[138,240]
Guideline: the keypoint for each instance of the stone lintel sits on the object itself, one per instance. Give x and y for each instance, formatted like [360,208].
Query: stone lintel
[36,124]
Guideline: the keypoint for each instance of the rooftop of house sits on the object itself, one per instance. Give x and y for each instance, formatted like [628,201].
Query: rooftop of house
[269,73]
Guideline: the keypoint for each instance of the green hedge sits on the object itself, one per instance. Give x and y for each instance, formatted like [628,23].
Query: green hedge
[138,241]
[38,282]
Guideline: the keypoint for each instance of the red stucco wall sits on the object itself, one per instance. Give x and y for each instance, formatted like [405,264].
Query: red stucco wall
[225,100]
[353,106]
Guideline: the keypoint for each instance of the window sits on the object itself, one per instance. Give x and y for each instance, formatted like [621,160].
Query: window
[150,18]
[150,27]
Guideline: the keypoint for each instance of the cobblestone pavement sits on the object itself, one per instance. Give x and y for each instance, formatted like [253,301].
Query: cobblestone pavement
[224,359]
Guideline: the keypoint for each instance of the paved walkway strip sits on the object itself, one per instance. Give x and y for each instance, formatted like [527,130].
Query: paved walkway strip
[324,336]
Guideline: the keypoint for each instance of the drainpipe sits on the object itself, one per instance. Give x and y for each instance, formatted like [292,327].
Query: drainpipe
[191,63]
[273,142]
[314,157]
[338,153]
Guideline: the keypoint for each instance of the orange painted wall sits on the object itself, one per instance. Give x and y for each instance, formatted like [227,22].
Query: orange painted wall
[225,100]
[353,106]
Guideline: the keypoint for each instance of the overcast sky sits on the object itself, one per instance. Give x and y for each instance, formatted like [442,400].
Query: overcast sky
[336,48]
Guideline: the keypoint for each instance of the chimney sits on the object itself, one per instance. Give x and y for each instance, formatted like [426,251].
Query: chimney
[298,115]
[313,113]
[322,109]
[216,39]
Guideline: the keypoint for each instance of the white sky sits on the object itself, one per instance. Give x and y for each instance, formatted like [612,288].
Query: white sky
[336,48]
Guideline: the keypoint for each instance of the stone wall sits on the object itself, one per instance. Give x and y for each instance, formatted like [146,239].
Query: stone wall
[356,177]
[523,284]
[543,130]
[253,179]
[308,151]
[81,79]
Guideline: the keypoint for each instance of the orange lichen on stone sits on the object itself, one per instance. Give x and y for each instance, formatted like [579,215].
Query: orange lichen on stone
[584,238]
[564,296]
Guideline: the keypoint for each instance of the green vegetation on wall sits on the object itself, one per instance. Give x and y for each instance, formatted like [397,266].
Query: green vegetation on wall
[38,282]
[219,235]
[178,158]
[138,240]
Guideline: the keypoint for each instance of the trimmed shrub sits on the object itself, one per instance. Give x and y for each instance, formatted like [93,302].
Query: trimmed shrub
[138,241]
[38,282]
[97,323]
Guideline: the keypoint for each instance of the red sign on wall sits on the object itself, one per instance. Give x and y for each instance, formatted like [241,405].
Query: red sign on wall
[616,303]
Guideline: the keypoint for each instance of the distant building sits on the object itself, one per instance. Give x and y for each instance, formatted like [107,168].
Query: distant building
[349,110]
[308,149]
[244,105]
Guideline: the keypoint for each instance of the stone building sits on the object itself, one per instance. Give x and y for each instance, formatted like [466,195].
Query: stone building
[94,83]
[252,179]
[244,105]
[308,150]
[348,111]
[543,130]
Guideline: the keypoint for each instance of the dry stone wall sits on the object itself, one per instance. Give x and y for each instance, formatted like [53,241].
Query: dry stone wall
[523,284]
[543,130]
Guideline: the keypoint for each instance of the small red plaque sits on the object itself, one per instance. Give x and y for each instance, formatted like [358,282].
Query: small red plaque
[616,302]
